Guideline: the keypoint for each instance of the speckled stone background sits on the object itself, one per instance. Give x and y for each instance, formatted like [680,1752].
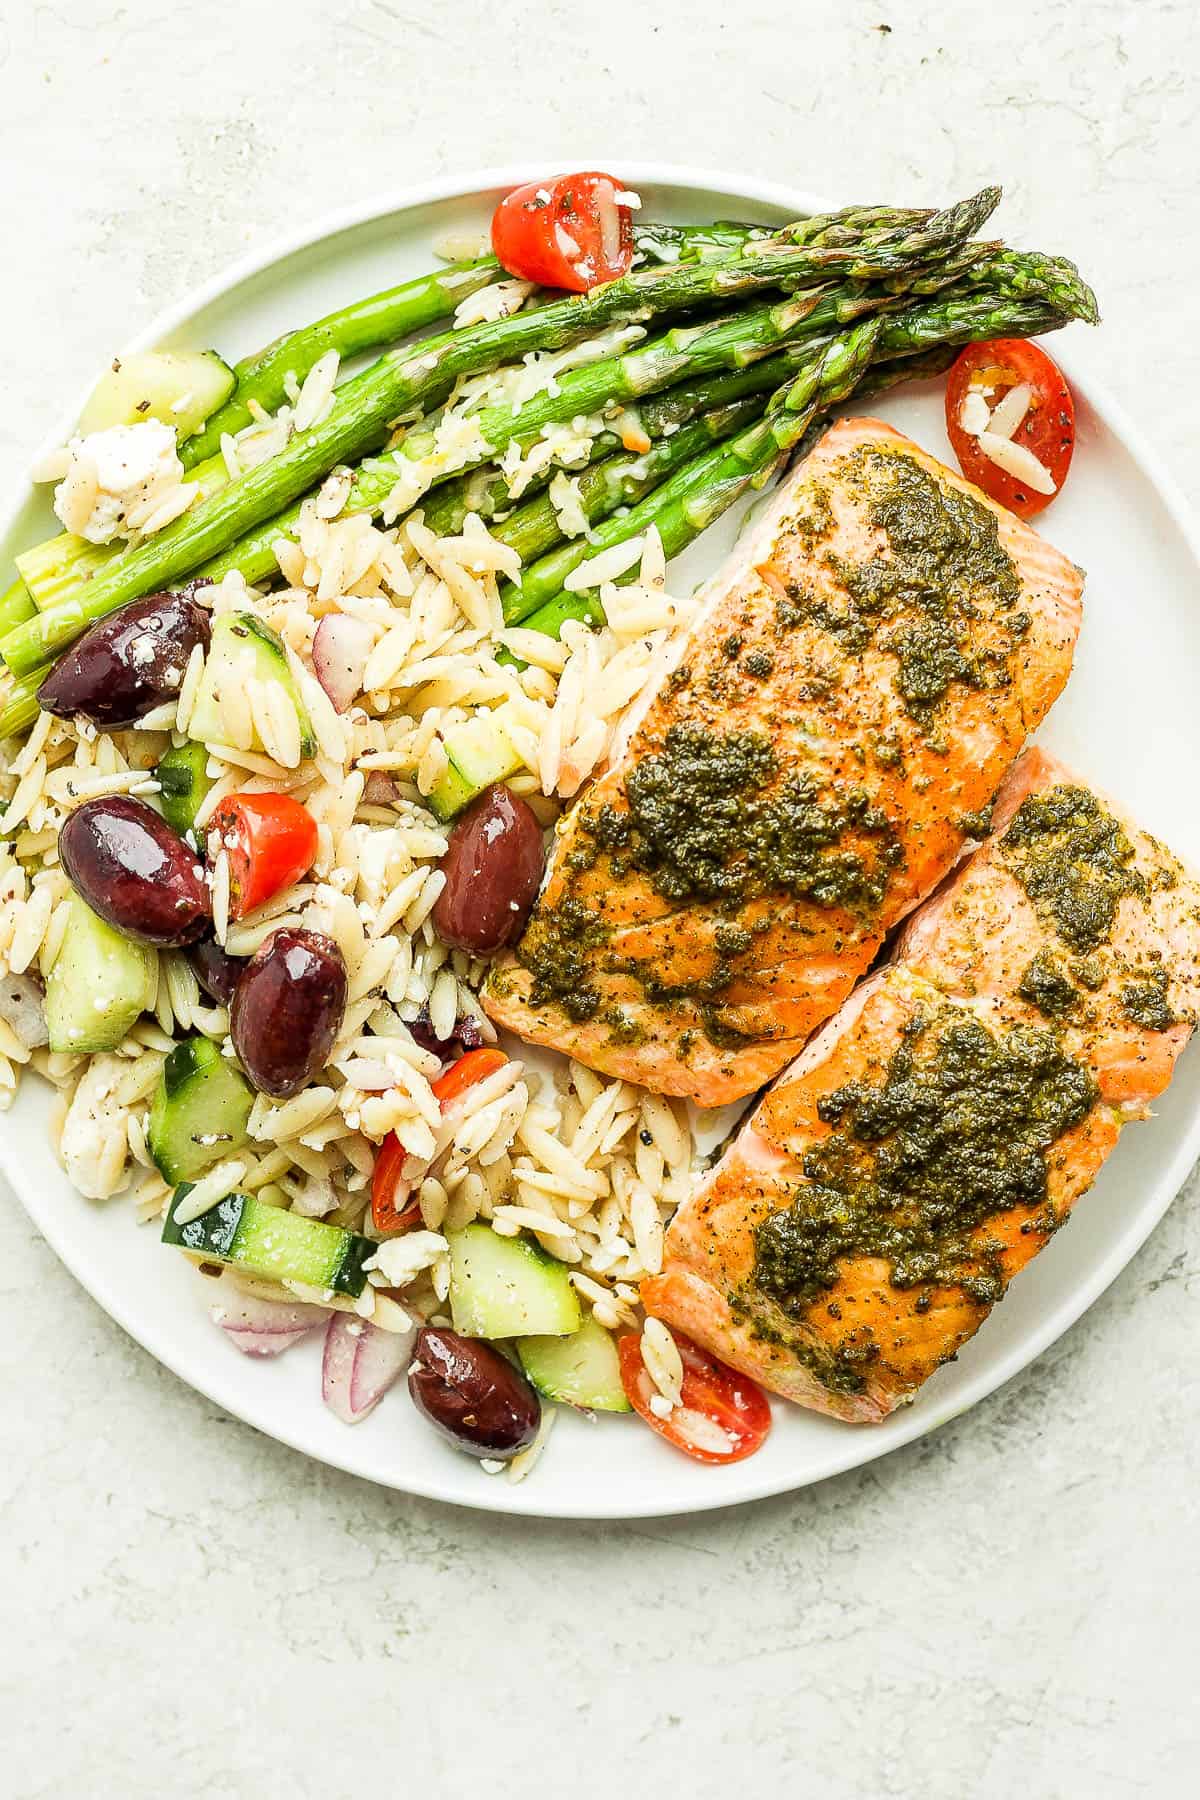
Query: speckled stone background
[1006,1609]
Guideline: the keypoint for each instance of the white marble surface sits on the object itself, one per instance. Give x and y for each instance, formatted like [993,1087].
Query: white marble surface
[189,1610]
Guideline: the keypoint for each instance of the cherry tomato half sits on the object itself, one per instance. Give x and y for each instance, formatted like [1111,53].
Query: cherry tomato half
[724,1416]
[475,1066]
[392,1207]
[990,371]
[270,840]
[569,232]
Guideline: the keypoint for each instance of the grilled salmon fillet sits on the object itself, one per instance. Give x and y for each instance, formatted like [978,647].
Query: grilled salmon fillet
[934,1134]
[824,743]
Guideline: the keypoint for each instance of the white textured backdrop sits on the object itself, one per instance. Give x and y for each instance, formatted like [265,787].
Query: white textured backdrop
[1008,1608]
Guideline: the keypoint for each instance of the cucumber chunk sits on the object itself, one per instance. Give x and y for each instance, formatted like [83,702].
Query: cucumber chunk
[200,1110]
[179,387]
[478,752]
[99,985]
[183,779]
[581,1370]
[508,1287]
[242,645]
[278,1245]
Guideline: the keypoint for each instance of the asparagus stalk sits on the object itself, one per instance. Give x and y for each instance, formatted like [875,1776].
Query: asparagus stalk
[618,481]
[15,605]
[397,312]
[707,487]
[19,703]
[404,378]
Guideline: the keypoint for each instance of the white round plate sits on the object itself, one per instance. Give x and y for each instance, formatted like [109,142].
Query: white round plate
[1128,721]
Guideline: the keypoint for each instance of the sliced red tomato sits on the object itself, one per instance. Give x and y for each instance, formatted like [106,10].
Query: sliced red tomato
[270,841]
[475,1066]
[723,1417]
[569,232]
[983,376]
[392,1206]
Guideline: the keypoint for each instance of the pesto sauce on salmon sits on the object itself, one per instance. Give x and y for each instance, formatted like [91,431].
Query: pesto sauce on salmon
[957,1131]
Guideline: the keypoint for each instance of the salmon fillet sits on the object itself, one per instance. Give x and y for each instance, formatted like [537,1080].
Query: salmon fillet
[808,766]
[936,1133]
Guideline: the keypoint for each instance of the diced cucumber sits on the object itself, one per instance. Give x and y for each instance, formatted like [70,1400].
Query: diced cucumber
[179,387]
[478,752]
[183,779]
[99,985]
[200,1110]
[581,1370]
[508,1287]
[243,645]
[278,1245]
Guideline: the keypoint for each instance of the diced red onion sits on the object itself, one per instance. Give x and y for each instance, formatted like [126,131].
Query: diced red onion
[261,1327]
[340,650]
[22,1006]
[380,789]
[361,1362]
[265,1343]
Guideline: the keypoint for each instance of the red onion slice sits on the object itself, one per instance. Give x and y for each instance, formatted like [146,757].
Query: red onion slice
[22,1005]
[250,1316]
[361,1362]
[265,1343]
[340,650]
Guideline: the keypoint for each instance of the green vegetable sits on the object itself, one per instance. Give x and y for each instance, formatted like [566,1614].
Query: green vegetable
[99,985]
[478,753]
[200,1110]
[404,378]
[15,605]
[580,1370]
[242,643]
[19,707]
[507,1287]
[278,1245]
[183,779]
[177,387]
[384,318]
[687,504]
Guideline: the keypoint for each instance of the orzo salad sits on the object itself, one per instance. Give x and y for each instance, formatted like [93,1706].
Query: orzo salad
[294,704]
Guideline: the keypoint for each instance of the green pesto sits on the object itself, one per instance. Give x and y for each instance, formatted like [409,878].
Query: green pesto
[1144,1000]
[1047,985]
[838,1367]
[941,574]
[975,824]
[1075,863]
[707,818]
[557,949]
[957,1132]
[759,664]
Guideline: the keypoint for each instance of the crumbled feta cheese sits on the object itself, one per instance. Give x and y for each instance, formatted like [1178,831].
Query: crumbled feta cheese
[111,473]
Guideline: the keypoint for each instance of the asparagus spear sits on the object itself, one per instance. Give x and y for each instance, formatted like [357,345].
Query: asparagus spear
[19,703]
[701,492]
[15,605]
[384,318]
[404,378]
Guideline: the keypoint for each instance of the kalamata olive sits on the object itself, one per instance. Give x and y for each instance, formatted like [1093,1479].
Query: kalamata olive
[467,1035]
[287,1010]
[493,867]
[129,663]
[217,972]
[134,871]
[472,1394]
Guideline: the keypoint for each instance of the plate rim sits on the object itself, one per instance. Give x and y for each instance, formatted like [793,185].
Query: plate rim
[858,1447]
